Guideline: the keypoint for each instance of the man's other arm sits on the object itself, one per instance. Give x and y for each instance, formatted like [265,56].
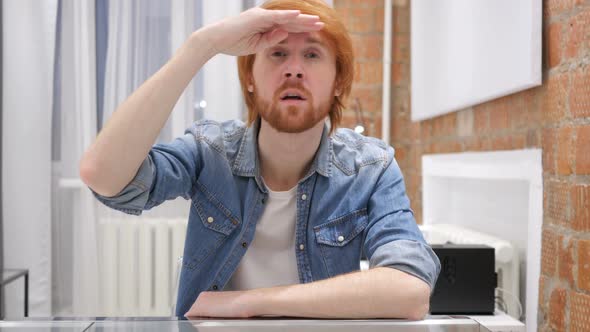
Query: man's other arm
[380,292]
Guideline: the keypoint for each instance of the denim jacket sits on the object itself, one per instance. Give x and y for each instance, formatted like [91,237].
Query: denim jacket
[351,204]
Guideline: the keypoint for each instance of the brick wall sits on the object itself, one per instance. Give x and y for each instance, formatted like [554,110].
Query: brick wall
[364,20]
[554,117]
[565,139]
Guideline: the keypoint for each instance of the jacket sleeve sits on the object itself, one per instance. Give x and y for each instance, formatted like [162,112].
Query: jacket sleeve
[169,171]
[393,238]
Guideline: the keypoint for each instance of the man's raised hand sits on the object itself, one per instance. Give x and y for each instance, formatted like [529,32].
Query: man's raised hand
[256,29]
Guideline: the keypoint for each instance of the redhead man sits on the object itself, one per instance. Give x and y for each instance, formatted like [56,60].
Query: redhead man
[283,206]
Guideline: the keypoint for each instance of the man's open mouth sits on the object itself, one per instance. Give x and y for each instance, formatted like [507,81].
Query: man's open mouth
[292,95]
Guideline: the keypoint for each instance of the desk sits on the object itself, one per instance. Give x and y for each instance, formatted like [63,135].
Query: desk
[430,324]
[10,275]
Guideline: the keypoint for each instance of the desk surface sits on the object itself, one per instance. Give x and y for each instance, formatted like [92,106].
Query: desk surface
[432,323]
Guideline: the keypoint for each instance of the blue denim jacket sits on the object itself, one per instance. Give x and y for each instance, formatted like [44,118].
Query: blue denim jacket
[352,201]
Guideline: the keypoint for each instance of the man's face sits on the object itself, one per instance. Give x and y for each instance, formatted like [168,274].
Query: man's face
[293,82]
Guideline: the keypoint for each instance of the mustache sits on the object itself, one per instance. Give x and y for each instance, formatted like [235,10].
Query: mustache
[289,85]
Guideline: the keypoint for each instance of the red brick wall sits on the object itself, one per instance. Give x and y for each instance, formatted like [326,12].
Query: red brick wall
[554,117]
[364,20]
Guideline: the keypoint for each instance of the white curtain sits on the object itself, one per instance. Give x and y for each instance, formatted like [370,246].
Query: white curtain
[74,217]
[222,87]
[138,45]
[29,39]
[143,36]
[52,222]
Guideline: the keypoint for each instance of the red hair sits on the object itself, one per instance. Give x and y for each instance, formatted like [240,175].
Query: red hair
[338,40]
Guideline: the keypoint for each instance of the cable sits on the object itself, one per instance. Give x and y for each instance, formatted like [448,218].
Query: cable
[520,311]
[501,303]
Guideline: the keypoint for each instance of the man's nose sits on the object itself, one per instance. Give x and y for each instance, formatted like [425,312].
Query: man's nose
[293,73]
[293,70]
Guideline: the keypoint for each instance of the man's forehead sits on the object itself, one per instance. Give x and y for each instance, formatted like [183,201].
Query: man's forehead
[307,37]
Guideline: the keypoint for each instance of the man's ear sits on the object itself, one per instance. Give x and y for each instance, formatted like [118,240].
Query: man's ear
[250,83]
[337,88]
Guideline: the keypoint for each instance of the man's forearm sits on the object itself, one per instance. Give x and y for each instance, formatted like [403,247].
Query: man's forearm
[376,293]
[113,159]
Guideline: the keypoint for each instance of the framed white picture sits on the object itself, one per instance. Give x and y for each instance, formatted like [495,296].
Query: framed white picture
[466,52]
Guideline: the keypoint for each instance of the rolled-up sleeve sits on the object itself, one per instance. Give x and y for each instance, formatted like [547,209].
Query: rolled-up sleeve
[412,257]
[393,238]
[134,197]
[168,171]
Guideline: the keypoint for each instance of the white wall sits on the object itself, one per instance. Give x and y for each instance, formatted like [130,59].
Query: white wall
[467,52]
[29,38]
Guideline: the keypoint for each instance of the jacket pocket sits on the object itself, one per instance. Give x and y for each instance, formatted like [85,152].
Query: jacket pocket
[339,241]
[211,223]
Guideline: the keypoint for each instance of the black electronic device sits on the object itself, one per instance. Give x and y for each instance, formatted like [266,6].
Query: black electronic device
[467,280]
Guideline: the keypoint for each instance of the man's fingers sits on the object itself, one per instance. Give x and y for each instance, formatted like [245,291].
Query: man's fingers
[259,28]
[301,23]
[296,28]
[191,311]
[291,21]
[305,19]
[274,37]
[280,17]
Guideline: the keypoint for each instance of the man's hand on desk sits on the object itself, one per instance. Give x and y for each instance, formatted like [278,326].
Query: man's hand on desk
[234,304]
[377,293]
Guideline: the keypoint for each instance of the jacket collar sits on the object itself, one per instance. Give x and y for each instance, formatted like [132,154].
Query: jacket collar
[247,162]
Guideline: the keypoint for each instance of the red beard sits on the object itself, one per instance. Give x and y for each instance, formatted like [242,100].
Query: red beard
[291,119]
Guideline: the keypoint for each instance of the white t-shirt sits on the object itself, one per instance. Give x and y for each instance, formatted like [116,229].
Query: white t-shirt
[270,260]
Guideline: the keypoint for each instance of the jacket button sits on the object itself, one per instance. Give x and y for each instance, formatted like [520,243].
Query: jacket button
[262,200]
[301,247]
[304,197]
[244,244]
[214,287]
[210,219]
[340,238]
[235,222]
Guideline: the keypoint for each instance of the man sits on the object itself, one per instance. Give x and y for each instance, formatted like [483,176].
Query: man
[283,206]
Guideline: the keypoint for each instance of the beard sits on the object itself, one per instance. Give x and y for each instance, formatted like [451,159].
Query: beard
[291,119]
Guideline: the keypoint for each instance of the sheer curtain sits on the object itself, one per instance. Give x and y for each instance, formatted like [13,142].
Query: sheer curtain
[75,268]
[138,45]
[59,96]
[142,37]
[28,47]
[221,89]
[1,213]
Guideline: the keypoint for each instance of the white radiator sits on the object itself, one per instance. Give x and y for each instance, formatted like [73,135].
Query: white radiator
[138,262]
[507,262]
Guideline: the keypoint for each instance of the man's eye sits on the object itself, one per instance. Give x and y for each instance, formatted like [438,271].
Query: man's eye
[278,54]
[312,55]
